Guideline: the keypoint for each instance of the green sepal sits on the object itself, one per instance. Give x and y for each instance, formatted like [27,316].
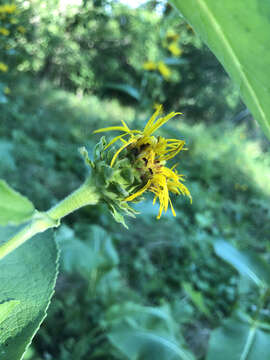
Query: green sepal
[114,183]
[84,154]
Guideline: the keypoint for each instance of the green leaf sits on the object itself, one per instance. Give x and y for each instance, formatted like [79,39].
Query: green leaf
[27,280]
[7,160]
[238,34]
[196,297]
[125,88]
[14,208]
[146,345]
[245,262]
[146,333]
[237,340]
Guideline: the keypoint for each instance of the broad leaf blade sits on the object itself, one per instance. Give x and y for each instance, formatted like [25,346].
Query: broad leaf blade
[27,280]
[14,208]
[238,34]
[147,345]
[236,340]
[125,88]
[246,263]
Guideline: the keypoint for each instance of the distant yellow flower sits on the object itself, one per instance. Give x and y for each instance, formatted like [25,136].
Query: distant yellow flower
[3,67]
[21,29]
[150,154]
[175,49]
[241,187]
[7,90]
[164,70]
[8,8]
[149,65]
[172,35]
[4,31]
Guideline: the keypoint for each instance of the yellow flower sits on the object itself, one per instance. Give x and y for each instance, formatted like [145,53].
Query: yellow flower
[7,8]
[21,29]
[171,35]
[164,70]
[175,49]
[150,154]
[3,67]
[4,31]
[149,65]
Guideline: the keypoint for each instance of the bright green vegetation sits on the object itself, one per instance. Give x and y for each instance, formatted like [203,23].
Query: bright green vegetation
[191,287]
[159,282]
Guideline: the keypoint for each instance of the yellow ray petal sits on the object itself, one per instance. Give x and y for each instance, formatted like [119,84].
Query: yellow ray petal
[110,128]
[121,148]
[173,211]
[161,121]
[138,193]
[125,126]
[152,119]
[114,140]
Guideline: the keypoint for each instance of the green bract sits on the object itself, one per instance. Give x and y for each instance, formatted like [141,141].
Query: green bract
[114,183]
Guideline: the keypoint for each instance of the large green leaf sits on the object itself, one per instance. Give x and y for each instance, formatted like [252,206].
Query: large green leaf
[146,333]
[27,279]
[238,33]
[245,262]
[146,345]
[237,340]
[14,208]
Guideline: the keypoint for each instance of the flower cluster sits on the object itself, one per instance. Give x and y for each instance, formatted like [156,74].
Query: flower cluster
[7,8]
[172,43]
[160,66]
[149,155]
[11,31]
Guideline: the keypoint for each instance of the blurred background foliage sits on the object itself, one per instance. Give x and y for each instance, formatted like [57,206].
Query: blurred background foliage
[161,289]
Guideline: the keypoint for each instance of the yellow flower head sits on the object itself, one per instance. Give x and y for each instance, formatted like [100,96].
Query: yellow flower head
[175,49]
[172,35]
[150,155]
[4,31]
[7,8]
[3,67]
[164,70]
[149,66]
[21,29]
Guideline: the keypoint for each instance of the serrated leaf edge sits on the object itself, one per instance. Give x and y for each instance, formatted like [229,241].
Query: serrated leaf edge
[50,298]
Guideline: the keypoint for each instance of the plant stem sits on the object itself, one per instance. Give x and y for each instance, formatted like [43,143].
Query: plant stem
[86,194]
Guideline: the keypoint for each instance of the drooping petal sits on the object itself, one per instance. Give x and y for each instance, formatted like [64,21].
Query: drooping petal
[121,148]
[140,192]
[114,140]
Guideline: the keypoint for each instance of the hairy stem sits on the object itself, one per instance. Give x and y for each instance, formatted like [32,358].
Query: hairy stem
[86,194]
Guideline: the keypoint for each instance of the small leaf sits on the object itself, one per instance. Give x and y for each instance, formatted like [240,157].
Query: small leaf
[196,297]
[246,263]
[27,280]
[14,208]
